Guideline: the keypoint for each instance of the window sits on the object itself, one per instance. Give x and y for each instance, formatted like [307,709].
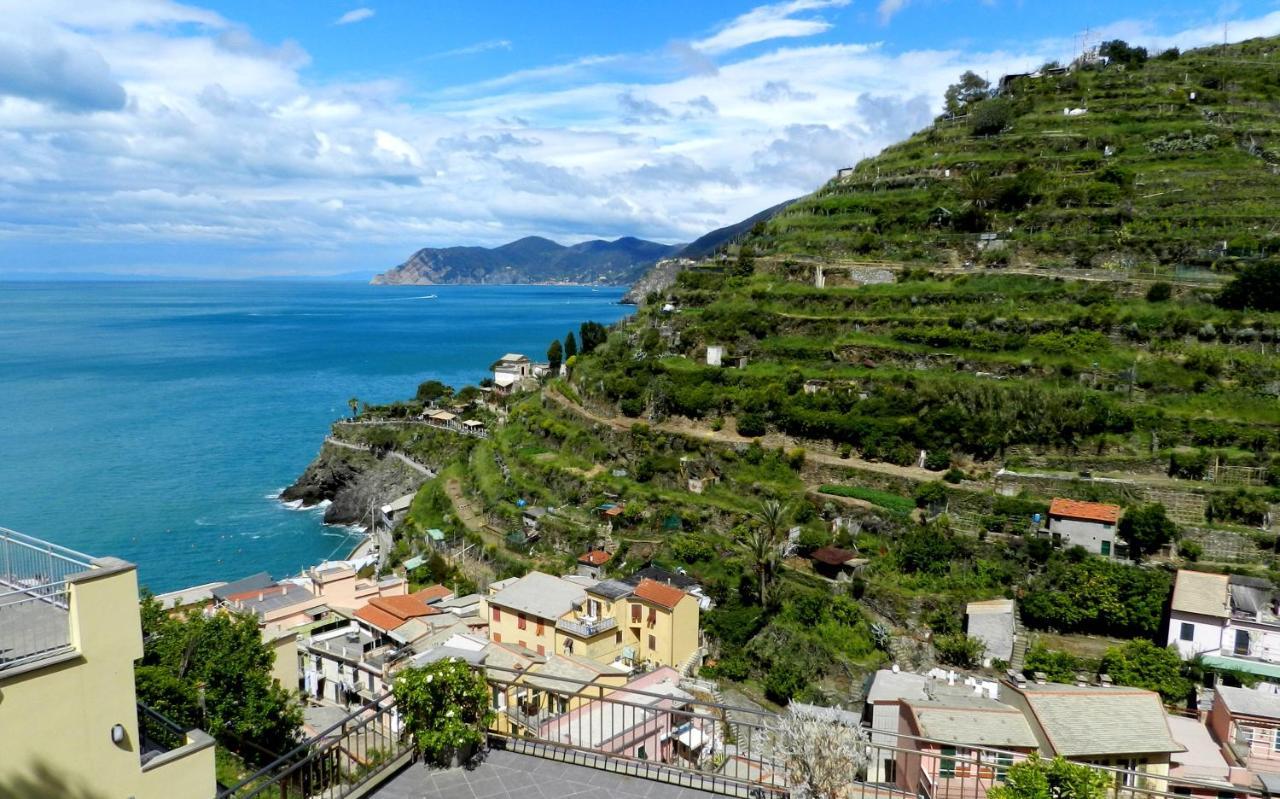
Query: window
[1275,740]
[523,645]
[641,754]
[497,638]
[497,613]
[499,698]
[617,637]
[521,621]
[593,608]
[653,643]
[542,650]
[1003,761]
[1242,642]
[890,770]
[1181,790]
[539,631]
[635,614]
[568,646]
[1187,632]
[653,616]
[1106,547]
[947,766]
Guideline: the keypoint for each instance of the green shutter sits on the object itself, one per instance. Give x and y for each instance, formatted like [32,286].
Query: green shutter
[947,768]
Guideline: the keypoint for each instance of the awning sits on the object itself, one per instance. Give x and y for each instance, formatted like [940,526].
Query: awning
[435,534]
[693,738]
[1240,664]
[413,563]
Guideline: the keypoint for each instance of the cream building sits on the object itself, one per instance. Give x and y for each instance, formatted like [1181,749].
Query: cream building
[70,724]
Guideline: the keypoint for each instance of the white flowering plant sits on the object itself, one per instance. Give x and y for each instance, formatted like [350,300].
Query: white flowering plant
[445,707]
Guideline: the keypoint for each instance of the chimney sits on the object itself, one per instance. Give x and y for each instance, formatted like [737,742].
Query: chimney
[1021,680]
[1041,678]
[260,596]
[1104,680]
[1082,678]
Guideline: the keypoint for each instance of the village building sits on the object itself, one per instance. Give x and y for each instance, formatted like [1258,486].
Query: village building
[1201,761]
[993,622]
[835,563]
[591,564]
[1229,621]
[1091,525]
[394,511]
[1247,723]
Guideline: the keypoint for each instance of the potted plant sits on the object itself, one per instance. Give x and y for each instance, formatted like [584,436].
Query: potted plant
[445,707]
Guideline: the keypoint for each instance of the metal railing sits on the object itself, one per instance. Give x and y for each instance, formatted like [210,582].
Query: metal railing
[586,629]
[34,599]
[335,763]
[157,733]
[663,733]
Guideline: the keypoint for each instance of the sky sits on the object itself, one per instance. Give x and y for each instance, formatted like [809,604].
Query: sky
[302,137]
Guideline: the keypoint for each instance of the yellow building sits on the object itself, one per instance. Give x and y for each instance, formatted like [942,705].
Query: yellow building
[607,621]
[70,724]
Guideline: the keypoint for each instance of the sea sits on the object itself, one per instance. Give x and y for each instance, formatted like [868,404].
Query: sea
[158,421]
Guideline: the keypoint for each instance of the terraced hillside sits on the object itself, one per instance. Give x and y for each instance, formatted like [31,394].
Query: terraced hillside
[1166,164]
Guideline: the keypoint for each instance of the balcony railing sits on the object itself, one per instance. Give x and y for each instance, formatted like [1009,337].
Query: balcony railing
[668,737]
[584,628]
[34,599]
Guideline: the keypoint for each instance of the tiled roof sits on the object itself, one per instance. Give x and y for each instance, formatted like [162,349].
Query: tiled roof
[596,557]
[433,593]
[1088,511]
[541,595]
[405,607]
[1201,593]
[1088,721]
[979,723]
[1248,702]
[668,596]
[379,618]
[833,556]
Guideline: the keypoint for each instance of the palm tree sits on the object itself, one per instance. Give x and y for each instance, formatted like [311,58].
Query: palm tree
[354,405]
[761,539]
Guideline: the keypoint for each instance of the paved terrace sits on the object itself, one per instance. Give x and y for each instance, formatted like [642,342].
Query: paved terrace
[508,775]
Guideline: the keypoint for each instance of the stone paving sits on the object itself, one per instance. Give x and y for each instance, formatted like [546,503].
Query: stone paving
[507,775]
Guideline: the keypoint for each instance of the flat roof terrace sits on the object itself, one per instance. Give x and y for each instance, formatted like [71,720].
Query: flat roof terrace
[34,600]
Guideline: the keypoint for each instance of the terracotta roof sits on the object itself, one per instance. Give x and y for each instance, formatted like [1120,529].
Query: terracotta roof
[379,618]
[832,556]
[1089,511]
[596,557]
[653,591]
[253,594]
[616,510]
[432,593]
[404,607]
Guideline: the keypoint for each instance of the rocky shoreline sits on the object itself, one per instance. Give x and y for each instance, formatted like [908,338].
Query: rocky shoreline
[353,482]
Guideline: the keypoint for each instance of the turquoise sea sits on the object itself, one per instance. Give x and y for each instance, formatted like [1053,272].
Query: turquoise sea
[155,421]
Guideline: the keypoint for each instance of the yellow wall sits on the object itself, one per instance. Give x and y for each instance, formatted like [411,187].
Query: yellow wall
[675,631]
[284,644]
[507,630]
[56,718]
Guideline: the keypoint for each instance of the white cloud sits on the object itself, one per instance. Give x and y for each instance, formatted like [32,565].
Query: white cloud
[354,15]
[888,8]
[471,49]
[769,22]
[221,146]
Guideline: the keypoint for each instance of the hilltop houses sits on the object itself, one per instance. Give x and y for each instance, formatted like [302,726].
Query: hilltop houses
[1091,525]
[1229,622]
[510,371]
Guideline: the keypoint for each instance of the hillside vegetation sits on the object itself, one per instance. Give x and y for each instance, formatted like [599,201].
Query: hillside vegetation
[1164,164]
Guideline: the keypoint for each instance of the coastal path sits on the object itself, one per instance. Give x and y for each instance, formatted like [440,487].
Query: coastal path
[426,471]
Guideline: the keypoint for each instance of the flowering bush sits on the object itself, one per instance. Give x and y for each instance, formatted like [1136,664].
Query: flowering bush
[444,706]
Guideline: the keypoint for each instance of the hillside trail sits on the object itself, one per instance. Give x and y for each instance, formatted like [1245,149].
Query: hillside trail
[727,437]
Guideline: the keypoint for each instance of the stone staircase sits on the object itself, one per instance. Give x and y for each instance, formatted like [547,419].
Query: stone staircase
[1021,642]
[692,662]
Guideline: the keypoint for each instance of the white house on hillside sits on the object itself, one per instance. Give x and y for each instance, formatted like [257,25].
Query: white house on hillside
[1091,525]
[1229,621]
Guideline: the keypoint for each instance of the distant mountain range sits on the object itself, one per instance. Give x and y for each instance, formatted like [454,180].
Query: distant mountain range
[532,260]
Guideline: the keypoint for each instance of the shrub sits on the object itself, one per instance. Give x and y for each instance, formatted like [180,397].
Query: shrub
[1146,529]
[1159,292]
[953,475]
[935,460]
[1142,664]
[751,425]
[958,649]
[1191,550]
[444,706]
[990,117]
[1257,288]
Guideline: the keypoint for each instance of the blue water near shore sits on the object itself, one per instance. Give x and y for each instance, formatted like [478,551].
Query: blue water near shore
[154,421]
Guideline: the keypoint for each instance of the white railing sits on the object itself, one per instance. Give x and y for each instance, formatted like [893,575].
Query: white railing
[34,598]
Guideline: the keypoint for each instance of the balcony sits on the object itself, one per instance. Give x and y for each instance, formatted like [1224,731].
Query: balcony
[586,626]
[34,599]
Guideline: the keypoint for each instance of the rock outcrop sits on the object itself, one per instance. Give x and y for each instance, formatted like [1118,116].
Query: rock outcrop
[353,482]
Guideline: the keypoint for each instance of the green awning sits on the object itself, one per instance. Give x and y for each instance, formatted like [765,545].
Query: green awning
[435,534]
[1240,664]
[413,563]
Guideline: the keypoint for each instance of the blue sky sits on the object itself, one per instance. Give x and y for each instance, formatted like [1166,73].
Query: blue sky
[245,138]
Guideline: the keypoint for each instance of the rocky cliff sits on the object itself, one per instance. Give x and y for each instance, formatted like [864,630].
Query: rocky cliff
[352,481]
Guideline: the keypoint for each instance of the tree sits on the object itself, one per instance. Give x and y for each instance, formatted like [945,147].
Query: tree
[445,707]
[958,649]
[990,117]
[224,658]
[555,356]
[354,405]
[1118,51]
[590,336]
[823,753]
[760,540]
[971,88]
[1255,288]
[1159,291]
[1142,664]
[570,346]
[433,390]
[1146,529]
[1036,778]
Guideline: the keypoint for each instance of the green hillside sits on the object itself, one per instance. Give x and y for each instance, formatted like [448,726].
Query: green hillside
[1173,158]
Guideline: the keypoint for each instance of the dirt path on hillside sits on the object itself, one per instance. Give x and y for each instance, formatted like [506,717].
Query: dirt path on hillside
[726,437]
